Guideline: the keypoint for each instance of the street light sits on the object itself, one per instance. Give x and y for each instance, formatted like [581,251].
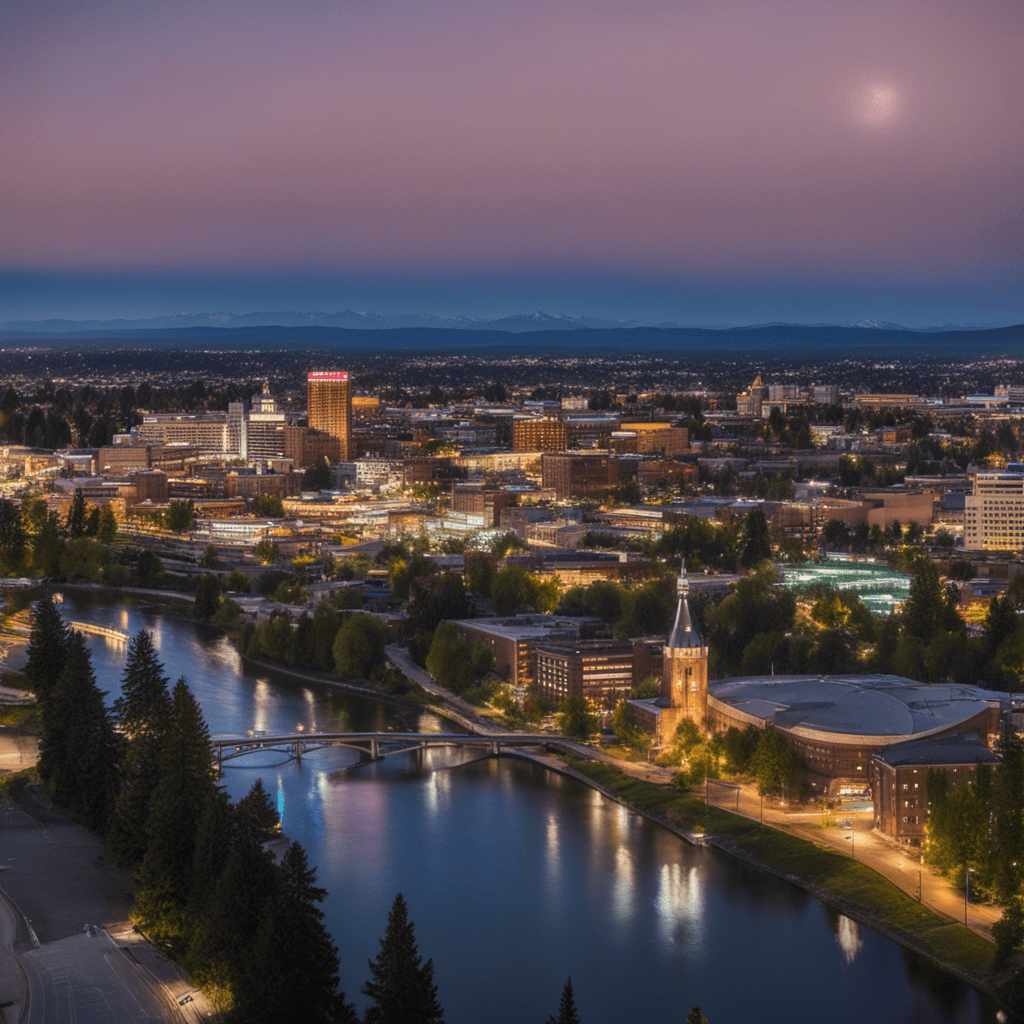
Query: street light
[967,891]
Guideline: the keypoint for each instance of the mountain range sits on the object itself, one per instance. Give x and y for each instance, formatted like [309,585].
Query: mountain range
[522,323]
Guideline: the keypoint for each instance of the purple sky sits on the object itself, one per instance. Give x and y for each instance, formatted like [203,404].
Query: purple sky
[788,154]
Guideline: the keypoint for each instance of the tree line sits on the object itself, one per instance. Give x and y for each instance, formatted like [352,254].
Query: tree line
[141,775]
[976,826]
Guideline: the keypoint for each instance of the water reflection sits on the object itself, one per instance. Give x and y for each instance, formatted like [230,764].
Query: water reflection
[517,878]
[848,934]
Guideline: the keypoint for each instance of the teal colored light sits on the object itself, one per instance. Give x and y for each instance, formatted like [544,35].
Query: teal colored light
[878,586]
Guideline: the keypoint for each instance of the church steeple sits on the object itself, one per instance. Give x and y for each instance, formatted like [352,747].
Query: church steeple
[685,632]
[684,679]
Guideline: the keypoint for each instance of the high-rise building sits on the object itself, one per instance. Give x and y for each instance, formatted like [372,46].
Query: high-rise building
[263,429]
[329,402]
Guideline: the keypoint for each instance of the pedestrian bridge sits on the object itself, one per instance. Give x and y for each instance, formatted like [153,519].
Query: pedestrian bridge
[373,745]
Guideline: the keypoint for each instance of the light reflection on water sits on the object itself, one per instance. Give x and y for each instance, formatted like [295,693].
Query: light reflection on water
[517,878]
[849,938]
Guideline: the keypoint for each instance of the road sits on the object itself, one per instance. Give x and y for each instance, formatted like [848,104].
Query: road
[900,865]
[80,974]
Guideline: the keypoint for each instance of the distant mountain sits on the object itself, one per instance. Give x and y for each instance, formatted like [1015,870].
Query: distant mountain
[348,319]
[763,342]
[351,320]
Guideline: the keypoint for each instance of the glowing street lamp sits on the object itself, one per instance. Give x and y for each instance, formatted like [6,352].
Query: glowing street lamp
[967,891]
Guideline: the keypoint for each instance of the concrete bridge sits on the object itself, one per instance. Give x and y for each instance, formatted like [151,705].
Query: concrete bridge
[110,632]
[374,745]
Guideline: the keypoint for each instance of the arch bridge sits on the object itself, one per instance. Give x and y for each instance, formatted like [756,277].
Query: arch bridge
[373,745]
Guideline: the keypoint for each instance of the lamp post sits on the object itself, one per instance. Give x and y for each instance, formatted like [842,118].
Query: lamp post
[967,891]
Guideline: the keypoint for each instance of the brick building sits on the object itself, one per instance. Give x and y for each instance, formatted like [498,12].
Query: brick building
[308,447]
[539,435]
[599,670]
[483,502]
[578,474]
[899,780]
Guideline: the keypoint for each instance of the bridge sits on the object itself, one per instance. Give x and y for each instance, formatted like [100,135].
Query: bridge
[373,745]
[110,632]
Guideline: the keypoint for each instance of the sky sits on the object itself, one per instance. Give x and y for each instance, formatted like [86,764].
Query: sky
[701,161]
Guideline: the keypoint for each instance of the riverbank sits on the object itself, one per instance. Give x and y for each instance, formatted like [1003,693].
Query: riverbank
[839,882]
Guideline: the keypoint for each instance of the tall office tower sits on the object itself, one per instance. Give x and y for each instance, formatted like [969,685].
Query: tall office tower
[330,406]
[263,429]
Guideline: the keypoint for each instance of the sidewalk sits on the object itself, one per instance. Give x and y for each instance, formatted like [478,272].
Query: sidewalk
[900,865]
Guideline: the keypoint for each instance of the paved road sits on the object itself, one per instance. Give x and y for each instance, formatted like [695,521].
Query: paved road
[901,865]
[88,979]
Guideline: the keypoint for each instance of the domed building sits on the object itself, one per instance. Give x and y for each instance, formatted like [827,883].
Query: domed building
[837,723]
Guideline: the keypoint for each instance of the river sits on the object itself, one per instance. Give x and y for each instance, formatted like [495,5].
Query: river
[517,878]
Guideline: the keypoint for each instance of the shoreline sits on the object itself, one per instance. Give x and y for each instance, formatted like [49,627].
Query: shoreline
[864,913]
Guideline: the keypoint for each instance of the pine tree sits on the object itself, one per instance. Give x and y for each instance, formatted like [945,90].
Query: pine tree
[757,541]
[214,839]
[77,516]
[696,1016]
[222,947]
[294,972]
[186,782]
[47,650]
[79,751]
[256,815]
[401,985]
[143,711]
[144,704]
[566,1008]
[1009,816]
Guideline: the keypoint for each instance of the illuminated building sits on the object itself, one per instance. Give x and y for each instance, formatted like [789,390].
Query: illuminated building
[329,402]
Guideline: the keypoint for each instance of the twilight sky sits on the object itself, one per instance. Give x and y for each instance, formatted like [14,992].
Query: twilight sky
[705,161]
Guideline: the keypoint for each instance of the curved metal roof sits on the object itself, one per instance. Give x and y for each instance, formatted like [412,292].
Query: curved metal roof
[851,706]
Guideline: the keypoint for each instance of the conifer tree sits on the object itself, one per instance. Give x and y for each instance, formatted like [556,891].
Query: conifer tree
[222,947]
[79,751]
[1009,815]
[186,782]
[77,516]
[566,1008]
[294,970]
[143,711]
[401,985]
[696,1016]
[215,838]
[256,815]
[47,650]
[144,704]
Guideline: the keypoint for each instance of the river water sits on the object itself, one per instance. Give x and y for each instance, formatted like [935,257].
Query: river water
[517,878]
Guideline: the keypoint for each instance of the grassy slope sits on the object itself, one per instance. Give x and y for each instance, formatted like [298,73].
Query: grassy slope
[843,880]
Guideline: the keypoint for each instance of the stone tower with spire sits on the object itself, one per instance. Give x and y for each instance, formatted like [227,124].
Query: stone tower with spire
[684,678]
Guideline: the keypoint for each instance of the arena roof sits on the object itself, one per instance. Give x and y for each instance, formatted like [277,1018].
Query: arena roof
[876,708]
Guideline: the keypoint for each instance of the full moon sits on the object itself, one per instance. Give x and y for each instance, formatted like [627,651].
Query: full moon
[875,106]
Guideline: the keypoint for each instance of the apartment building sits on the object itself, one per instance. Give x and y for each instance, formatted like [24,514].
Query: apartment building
[994,512]
[539,435]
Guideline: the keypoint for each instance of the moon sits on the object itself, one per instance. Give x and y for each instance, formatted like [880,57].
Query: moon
[876,105]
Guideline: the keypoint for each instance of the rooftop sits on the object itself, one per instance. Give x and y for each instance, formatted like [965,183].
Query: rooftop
[964,749]
[870,706]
